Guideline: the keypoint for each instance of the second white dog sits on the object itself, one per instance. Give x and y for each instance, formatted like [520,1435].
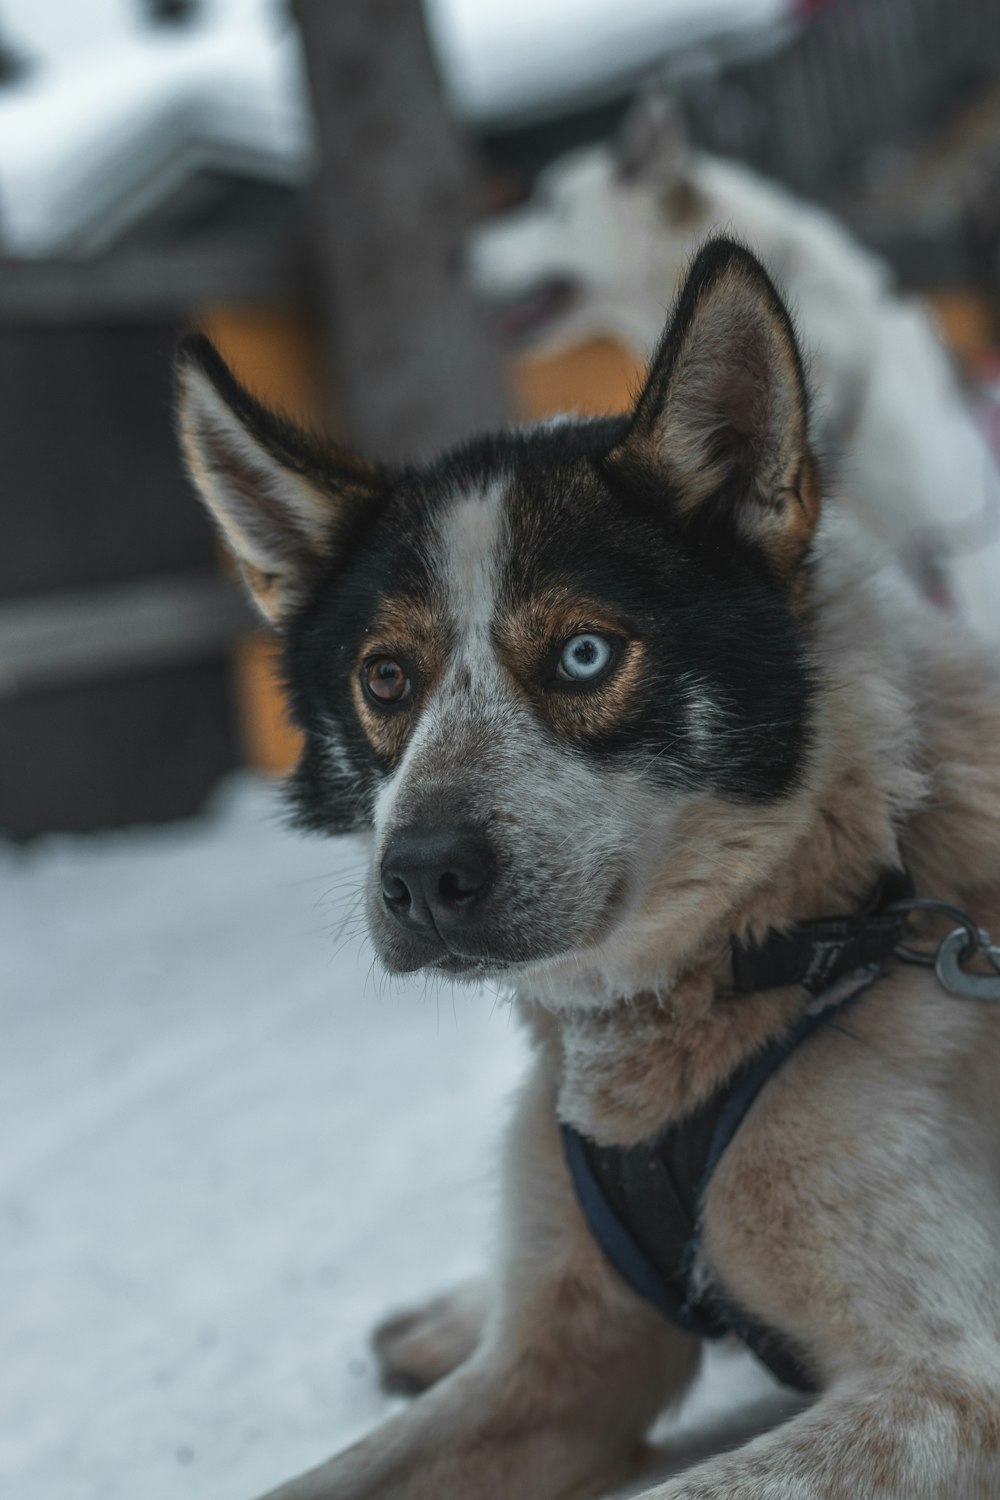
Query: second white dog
[615,226]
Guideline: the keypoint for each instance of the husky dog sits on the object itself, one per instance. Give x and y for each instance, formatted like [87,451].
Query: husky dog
[602,247]
[605,697]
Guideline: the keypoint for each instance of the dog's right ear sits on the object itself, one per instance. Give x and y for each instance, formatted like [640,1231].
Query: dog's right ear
[720,430]
[282,499]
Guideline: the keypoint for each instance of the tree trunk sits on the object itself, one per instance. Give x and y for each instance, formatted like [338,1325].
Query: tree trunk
[415,365]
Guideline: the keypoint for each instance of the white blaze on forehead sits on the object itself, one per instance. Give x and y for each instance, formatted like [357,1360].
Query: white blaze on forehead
[466,560]
[470,538]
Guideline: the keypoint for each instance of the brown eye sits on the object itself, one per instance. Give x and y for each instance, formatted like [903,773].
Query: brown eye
[385,680]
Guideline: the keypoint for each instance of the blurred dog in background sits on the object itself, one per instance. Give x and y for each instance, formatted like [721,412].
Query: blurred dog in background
[602,247]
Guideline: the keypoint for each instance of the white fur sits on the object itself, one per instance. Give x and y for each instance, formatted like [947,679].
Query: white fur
[465,565]
[472,536]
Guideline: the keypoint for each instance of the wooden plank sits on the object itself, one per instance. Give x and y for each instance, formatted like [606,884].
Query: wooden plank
[94,489]
[148,283]
[966,319]
[54,640]
[416,365]
[276,353]
[590,378]
[270,741]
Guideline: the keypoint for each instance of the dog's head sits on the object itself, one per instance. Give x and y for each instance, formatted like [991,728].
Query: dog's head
[606,229]
[514,667]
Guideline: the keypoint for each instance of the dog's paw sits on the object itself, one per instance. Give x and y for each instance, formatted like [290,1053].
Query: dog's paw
[417,1348]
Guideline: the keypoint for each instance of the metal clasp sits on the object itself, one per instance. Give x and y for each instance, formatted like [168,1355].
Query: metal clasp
[948,961]
[954,951]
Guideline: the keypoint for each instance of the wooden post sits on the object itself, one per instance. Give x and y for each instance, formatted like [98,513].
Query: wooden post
[414,363]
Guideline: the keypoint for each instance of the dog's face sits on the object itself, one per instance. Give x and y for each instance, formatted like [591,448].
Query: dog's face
[617,221]
[515,666]
[565,239]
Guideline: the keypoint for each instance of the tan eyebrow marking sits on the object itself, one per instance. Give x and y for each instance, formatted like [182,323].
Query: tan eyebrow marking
[526,634]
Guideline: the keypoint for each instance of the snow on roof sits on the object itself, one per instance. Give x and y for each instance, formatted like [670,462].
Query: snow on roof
[115,112]
[522,57]
[91,141]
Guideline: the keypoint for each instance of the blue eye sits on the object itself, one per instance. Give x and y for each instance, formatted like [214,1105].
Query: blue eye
[584,658]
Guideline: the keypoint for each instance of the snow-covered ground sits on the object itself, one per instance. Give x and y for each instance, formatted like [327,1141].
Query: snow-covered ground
[228,1148]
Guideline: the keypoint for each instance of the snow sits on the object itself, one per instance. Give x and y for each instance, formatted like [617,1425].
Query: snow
[93,139]
[114,113]
[519,57]
[229,1149]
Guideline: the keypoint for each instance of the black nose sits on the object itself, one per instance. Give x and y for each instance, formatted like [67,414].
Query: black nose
[433,880]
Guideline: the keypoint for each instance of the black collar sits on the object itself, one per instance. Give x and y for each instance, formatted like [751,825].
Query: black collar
[816,954]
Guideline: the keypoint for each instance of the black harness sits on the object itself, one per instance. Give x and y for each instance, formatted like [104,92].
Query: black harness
[644,1203]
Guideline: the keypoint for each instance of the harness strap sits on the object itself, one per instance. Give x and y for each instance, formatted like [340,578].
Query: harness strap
[643,1204]
[816,954]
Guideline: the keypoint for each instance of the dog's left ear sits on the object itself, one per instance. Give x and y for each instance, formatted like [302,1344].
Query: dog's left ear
[720,428]
[285,502]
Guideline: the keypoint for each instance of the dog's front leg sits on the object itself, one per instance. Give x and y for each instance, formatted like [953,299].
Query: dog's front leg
[921,1433]
[570,1374]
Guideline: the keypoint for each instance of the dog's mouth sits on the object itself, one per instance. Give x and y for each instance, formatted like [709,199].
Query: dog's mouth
[523,315]
[458,966]
[408,953]
[414,958]
[479,958]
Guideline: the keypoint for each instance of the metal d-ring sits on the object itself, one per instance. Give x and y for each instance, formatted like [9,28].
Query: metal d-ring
[961,944]
[973,936]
